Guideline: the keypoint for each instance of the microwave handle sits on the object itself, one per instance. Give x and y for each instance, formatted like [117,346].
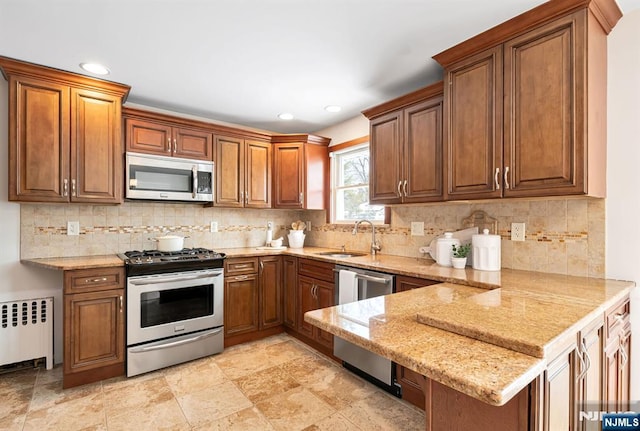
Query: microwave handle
[194,172]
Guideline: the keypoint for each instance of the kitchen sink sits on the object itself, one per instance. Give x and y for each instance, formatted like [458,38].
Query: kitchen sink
[341,254]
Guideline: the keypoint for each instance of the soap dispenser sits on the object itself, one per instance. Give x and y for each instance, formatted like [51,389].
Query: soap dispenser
[269,234]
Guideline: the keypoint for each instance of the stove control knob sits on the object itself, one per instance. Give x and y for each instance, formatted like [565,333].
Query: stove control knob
[138,260]
[149,260]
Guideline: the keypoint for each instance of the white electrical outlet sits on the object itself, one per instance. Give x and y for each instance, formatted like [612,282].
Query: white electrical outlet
[517,232]
[214,226]
[73,228]
[417,228]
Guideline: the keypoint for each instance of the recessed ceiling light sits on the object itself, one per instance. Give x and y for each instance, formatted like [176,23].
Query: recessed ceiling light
[95,68]
[333,108]
[285,116]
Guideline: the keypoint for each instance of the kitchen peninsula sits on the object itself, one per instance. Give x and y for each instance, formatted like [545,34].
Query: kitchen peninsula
[516,356]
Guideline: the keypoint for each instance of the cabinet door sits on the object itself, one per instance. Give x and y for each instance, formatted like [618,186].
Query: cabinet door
[591,385]
[325,298]
[473,126]
[290,285]
[624,379]
[38,141]
[258,171]
[612,375]
[288,175]
[543,128]
[423,159]
[96,152]
[271,292]
[306,302]
[560,392]
[240,304]
[385,147]
[404,283]
[148,137]
[193,144]
[93,330]
[229,159]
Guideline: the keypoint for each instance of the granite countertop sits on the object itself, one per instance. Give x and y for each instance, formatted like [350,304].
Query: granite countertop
[485,334]
[77,262]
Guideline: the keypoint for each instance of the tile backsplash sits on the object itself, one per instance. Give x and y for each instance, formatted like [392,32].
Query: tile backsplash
[563,235]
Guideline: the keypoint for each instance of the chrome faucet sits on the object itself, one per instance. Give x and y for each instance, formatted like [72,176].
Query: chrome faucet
[375,246]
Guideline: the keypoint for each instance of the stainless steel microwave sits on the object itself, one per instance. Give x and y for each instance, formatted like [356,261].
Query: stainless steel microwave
[168,178]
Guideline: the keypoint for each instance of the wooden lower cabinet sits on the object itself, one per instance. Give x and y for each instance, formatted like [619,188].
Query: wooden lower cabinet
[253,298]
[410,381]
[271,292]
[290,284]
[94,340]
[617,359]
[240,304]
[448,409]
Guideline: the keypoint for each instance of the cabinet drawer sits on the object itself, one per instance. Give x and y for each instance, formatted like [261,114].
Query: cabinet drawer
[316,269]
[617,317]
[241,266]
[93,279]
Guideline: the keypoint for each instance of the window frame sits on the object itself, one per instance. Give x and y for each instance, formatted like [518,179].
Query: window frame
[335,152]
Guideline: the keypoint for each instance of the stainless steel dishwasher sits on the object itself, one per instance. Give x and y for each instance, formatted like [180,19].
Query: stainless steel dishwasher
[364,284]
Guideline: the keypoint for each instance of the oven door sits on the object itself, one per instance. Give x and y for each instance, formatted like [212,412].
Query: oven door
[166,305]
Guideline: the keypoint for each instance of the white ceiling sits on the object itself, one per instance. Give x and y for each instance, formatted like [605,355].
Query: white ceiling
[245,61]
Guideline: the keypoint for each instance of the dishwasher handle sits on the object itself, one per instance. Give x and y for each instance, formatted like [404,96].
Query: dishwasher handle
[367,277]
[373,279]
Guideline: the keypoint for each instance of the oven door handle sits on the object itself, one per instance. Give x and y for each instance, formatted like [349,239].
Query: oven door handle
[145,281]
[175,343]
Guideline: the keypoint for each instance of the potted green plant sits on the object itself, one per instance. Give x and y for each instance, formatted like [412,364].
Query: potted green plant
[459,255]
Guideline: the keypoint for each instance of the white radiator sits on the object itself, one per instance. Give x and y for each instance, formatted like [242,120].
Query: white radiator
[26,331]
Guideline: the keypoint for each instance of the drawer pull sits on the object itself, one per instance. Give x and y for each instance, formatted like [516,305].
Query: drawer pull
[242,266]
[95,280]
[242,277]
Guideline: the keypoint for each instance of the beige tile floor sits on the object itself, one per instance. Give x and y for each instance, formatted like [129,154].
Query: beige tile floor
[273,384]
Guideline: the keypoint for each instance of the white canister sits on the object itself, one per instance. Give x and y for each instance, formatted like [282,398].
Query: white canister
[486,251]
[445,249]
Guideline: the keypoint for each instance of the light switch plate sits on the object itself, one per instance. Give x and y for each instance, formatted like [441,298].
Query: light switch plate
[73,228]
[517,232]
[417,228]
[214,226]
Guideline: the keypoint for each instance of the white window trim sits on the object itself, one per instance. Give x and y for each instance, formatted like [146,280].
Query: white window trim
[334,187]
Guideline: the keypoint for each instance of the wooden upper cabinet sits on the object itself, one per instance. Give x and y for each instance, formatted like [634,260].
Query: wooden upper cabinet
[162,137]
[229,159]
[38,140]
[243,173]
[288,175]
[258,170]
[64,135]
[406,148]
[526,104]
[148,137]
[96,153]
[473,126]
[544,139]
[385,152]
[300,171]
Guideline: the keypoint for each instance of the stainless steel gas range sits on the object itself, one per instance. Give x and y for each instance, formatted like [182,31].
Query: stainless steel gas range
[174,307]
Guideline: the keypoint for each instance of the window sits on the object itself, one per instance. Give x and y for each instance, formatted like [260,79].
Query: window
[350,187]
